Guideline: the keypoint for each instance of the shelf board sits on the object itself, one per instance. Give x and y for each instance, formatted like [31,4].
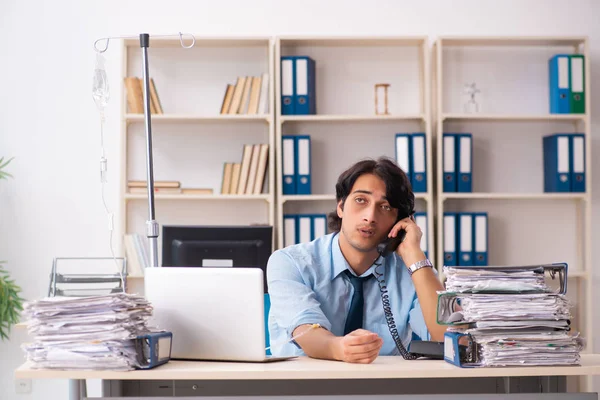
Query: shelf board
[265,197]
[514,196]
[578,274]
[350,118]
[198,118]
[329,197]
[514,41]
[350,41]
[201,41]
[514,117]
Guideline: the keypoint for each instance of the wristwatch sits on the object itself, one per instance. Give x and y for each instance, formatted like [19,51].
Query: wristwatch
[418,265]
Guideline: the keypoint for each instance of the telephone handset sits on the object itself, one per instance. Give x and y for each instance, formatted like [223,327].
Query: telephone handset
[427,349]
[390,244]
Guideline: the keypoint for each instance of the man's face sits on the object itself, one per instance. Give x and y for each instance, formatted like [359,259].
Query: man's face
[367,216]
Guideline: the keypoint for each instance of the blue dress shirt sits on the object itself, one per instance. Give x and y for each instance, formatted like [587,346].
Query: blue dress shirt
[307,286]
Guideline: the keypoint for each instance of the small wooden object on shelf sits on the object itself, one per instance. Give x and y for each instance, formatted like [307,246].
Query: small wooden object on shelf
[381,98]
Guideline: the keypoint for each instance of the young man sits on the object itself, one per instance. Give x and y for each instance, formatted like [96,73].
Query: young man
[316,282]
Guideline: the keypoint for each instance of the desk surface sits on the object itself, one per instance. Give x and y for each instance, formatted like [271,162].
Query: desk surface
[308,368]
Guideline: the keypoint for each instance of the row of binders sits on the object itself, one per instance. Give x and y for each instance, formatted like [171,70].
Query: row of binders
[304,228]
[457,162]
[296,159]
[247,176]
[250,95]
[298,86]
[564,162]
[411,157]
[567,84]
[465,239]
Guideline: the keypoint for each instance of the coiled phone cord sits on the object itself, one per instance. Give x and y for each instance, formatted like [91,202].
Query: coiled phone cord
[389,317]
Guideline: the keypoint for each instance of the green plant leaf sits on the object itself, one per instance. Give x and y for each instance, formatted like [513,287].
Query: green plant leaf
[10,303]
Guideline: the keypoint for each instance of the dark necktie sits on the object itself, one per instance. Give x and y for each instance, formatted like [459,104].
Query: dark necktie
[355,314]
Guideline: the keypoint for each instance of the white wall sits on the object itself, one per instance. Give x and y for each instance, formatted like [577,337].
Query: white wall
[49,123]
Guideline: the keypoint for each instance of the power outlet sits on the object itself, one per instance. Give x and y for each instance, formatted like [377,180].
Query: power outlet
[23,385]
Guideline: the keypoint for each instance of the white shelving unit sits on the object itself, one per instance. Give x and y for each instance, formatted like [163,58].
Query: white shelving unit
[187,135]
[526,225]
[345,128]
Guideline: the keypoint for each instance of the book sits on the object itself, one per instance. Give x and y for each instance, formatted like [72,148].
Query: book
[196,191]
[237,95]
[157,184]
[227,99]
[243,109]
[235,175]
[135,96]
[226,181]
[154,96]
[262,168]
[245,168]
[254,95]
[253,169]
[144,190]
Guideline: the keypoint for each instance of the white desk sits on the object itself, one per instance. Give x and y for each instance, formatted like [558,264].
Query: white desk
[306,369]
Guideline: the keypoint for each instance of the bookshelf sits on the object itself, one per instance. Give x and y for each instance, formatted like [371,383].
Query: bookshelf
[345,127]
[191,138]
[526,225]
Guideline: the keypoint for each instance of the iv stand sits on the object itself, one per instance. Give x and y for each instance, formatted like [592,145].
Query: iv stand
[152,227]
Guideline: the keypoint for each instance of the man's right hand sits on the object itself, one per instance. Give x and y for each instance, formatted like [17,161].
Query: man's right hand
[360,346]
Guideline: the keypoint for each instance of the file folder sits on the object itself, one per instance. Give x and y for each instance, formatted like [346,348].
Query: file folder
[578,152]
[560,92]
[306,99]
[319,226]
[449,162]
[403,153]
[303,168]
[458,354]
[465,162]
[480,239]
[305,233]
[421,221]
[577,83]
[465,239]
[450,228]
[419,163]
[289,164]
[557,163]
[288,101]
[549,273]
[290,230]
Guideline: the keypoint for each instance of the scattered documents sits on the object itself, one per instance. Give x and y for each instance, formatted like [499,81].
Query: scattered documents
[86,332]
[512,315]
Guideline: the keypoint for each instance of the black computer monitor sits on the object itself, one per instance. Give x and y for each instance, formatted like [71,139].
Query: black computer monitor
[217,246]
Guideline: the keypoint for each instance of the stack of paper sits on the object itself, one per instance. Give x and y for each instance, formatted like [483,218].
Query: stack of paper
[86,333]
[481,280]
[513,316]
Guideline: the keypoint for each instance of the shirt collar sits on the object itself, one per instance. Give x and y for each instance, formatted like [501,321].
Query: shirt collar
[338,261]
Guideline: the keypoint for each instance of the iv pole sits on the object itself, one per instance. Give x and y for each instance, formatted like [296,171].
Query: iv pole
[152,226]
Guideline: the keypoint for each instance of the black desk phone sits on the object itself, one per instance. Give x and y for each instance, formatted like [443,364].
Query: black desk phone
[418,349]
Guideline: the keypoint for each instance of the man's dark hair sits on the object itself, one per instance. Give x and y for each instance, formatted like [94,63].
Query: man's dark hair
[397,186]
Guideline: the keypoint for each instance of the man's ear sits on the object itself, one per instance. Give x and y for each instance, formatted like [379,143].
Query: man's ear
[340,208]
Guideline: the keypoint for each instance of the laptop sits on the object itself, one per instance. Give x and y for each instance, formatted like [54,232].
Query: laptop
[213,313]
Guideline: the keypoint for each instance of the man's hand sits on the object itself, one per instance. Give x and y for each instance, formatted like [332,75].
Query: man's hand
[410,248]
[359,346]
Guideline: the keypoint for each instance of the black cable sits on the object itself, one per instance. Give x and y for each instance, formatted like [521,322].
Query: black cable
[389,317]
